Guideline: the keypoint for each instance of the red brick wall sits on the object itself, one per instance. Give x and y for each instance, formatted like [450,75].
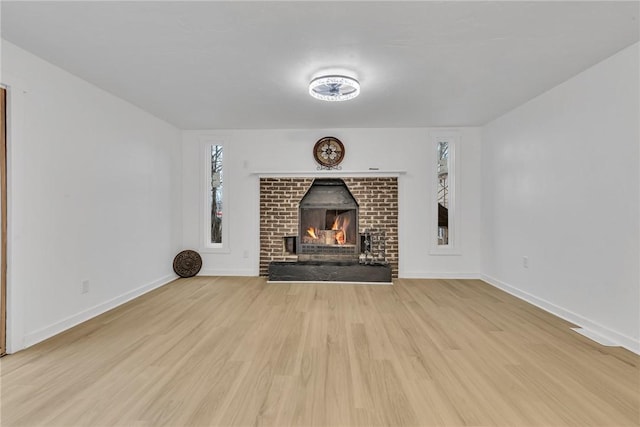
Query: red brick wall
[279,198]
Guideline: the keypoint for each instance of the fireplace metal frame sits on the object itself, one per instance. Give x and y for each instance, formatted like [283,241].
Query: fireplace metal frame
[328,194]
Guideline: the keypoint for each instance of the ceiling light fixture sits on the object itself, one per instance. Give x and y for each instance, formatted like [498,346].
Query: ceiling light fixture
[334,88]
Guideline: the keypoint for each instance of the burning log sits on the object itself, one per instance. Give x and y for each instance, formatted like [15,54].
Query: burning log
[312,232]
[329,237]
[324,237]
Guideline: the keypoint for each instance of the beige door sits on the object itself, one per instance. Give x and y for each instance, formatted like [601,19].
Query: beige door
[3,221]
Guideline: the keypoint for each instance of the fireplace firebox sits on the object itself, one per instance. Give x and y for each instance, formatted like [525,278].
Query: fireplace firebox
[328,222]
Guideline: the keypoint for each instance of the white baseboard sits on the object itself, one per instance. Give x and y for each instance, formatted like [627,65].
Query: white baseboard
[591,328]
[441,275]
[594,337]
[71,321]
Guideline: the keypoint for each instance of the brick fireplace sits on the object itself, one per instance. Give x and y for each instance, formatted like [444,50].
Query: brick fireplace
[376,197]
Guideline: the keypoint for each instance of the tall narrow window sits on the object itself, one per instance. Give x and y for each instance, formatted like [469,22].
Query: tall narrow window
[215,224]
[445,230]
[443,192]
[215,194]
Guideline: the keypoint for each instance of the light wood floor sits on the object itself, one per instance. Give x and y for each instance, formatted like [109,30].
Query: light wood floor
[240,352]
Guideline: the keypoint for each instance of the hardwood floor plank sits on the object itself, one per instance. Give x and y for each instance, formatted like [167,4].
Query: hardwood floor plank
[225,351]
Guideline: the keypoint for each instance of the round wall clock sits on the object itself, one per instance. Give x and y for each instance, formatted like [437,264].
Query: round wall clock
[328,152]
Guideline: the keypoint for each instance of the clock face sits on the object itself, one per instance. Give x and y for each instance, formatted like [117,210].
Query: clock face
[328,151]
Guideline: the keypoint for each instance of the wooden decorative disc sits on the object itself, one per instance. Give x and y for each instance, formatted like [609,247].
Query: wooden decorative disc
[187,263]
[328,152]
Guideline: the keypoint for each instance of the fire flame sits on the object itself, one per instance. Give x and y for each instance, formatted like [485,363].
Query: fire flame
[341,224]
[312,232]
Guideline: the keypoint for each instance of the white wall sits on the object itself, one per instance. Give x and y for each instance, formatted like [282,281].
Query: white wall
[102,191]
[560,185]
[94,195]
[409,150]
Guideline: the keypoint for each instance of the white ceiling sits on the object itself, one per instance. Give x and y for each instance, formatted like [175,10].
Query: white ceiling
[238,65]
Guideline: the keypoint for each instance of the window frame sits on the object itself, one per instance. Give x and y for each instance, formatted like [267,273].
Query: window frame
[453,247]
[206,245]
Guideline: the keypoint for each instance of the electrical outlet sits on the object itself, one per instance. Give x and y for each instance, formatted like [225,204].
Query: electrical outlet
[525,261]
[245,254]
[85,287]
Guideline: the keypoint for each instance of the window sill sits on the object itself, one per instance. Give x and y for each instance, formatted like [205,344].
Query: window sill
[209,250]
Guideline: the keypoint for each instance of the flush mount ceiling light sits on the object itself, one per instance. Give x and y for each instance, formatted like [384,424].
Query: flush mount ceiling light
[334,88]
